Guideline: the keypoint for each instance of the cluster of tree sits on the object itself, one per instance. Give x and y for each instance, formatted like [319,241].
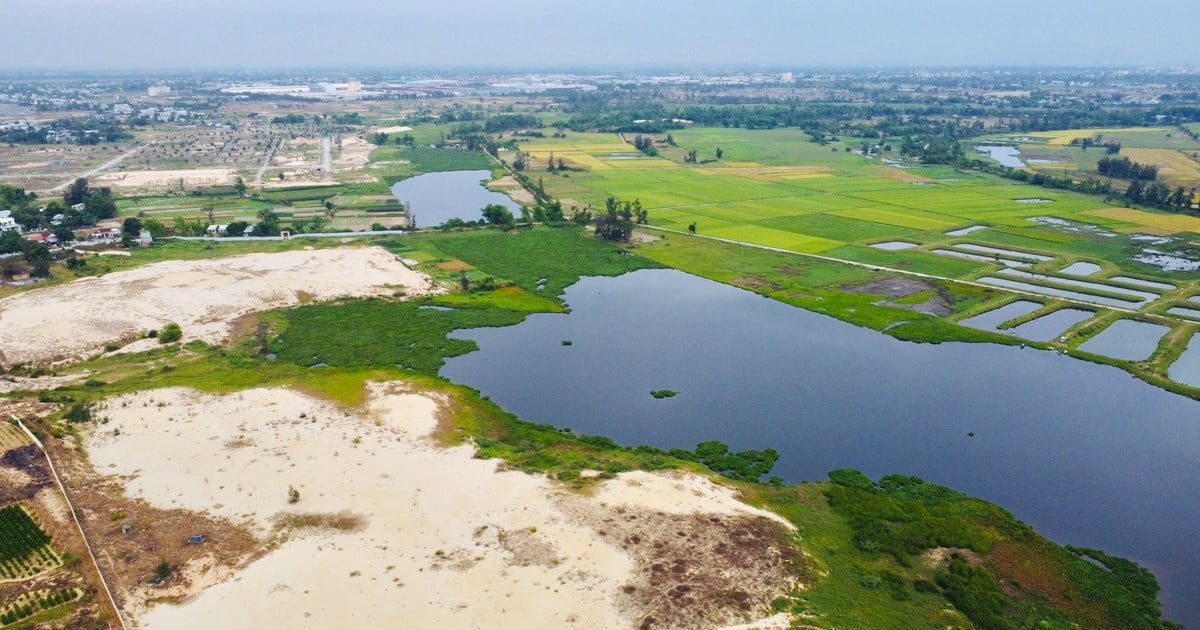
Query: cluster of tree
[1124,168]
[549,212]
[508,122]
[36,255]
[499,216]
[1111,147]
[749,465]
[645,144]
[292,119]
[616,224]
[85,131]
[1160,195]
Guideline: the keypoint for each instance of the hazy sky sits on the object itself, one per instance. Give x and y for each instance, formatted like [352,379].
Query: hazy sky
[178,34]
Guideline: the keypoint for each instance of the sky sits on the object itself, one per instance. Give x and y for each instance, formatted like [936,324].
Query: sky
[547,34]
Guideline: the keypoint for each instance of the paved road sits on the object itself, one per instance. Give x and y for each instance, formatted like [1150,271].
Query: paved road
[99,169]
[326,167]
[258,177]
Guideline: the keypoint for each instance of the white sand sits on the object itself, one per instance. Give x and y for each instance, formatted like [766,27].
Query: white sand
[202,296]
[166,178]
[448,542]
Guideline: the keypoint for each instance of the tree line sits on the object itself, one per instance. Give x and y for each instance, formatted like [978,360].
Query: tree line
[1124,168]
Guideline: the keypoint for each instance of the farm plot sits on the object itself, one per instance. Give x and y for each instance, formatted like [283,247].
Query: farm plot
[33,602]
[11,436]
[24,548]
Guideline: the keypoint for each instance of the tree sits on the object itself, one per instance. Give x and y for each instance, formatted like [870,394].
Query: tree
[99,203]
[64,234]
[76,192]
[132,226]
[464,282]
[268,223]
[39,258]
[240,186]
[692,227]
[155,227]
[719,153]
[236,228]
[11,242]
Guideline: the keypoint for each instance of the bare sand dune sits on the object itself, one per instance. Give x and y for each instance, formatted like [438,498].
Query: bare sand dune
[202,296]
[424,536]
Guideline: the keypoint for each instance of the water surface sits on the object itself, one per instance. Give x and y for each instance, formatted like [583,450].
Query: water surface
[434,198]
[1083,452]
[1050,326]
[1126,339]
[1004,154]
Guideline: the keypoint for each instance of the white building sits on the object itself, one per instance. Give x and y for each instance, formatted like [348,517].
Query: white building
[7,222]
[158,90]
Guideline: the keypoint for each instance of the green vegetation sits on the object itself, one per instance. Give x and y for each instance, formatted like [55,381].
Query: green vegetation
[374,332]
[663,393]
[24,547]
[170,333]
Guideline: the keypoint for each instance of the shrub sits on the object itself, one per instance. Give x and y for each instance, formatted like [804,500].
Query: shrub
[170,333]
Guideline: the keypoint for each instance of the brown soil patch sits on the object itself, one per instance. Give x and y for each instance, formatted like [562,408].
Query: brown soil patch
[698,570]
[454,266]
[128,559]
[755,283]
[899,174]
[889,286]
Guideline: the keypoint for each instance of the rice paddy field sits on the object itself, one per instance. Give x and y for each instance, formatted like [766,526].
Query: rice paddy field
[1171,149]
[776,189]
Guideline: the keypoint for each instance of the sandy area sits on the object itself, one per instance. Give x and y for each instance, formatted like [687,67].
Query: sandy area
[166,179]
[202,296]
[428,535]
[400,129]
[353,155]
[511,187]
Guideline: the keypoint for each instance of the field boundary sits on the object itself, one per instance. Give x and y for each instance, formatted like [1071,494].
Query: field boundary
[75,517]
[916,274]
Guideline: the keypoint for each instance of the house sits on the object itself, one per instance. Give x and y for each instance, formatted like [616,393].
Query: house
[196,539]
[7,222]
[249,231]
[106,234]
[79,207]
[145,238]
[217,230]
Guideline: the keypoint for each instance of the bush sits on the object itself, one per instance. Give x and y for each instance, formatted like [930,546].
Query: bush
[170,333]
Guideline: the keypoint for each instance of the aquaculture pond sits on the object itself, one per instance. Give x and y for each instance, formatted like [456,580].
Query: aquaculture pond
[1083,452]
[434,198]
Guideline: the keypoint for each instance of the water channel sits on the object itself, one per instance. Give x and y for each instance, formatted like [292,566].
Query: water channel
[1083,452]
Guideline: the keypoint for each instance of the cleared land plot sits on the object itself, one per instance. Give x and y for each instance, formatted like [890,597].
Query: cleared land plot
[776,238]
[11,436]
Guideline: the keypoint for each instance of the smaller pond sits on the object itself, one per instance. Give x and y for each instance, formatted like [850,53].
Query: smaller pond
[894,245]
[1005,154]
[1034,200]
[1183,311]
[1050,326]
[434,198]
[1138,282]
[967,230]
[1134,294]
[1063,293]
[1080,269]
[992,319]
[1168,262]
[981,258]
[1126,339]
[1186,369]
[971,247]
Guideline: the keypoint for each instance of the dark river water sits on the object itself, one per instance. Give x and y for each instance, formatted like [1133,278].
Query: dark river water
[435,198]
[1085,453]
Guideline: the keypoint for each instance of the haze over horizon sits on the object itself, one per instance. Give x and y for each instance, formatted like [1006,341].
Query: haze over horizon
[65,35]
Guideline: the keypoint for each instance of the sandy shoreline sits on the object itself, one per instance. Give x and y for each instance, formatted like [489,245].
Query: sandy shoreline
[443,540]
[202,296]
